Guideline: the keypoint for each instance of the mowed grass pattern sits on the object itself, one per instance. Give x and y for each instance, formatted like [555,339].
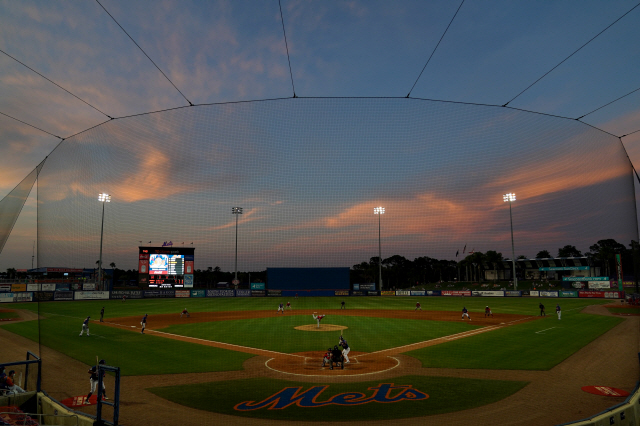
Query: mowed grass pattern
[364,334]
[536,345]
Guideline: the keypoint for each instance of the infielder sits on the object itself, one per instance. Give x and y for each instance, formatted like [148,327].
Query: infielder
[143,323]
[465,312]
[102,314]
[345,349]
[318,318]
[85,326]
[288,305]
[185,312]
[93,380]
[281,308]
[558,311]
[487,312]
[417,307]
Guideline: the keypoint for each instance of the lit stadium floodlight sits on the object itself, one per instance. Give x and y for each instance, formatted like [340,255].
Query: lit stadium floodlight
[379,211]
[511,197]
[103,198]
[236,211]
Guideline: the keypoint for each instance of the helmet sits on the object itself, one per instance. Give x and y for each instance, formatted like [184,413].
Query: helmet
[102,361]
[335,348]
[487,306]
[329,349]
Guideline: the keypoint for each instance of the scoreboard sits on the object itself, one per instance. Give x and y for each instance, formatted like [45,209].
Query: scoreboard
[165,267]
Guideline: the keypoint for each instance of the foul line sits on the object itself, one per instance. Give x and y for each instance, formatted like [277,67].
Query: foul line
[537,332]
[222,345]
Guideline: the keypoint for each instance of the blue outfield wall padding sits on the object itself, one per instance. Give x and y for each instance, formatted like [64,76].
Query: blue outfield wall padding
[308,278]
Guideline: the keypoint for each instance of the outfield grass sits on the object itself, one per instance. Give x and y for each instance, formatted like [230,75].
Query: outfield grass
[364,334]
[536,345]
[134,353]
[446,394]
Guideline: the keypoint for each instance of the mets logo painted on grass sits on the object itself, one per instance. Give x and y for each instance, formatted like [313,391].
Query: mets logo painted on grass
[384,392]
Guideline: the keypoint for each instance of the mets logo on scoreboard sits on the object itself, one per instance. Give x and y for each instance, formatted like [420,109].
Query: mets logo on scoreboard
[384,392]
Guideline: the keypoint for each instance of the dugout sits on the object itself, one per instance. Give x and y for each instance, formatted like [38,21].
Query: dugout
[304,279]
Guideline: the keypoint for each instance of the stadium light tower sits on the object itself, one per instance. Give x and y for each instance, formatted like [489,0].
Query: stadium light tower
[511,197]
[236,211]
[103,198]
[379,211]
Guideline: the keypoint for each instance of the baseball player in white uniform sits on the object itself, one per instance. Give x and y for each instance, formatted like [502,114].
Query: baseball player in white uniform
[345,349]
[318,318]
[85,326]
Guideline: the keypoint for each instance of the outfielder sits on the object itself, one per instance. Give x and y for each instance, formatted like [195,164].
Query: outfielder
[465,312]
[93,380]
[558,311]
[345,349]
[85,326]
[143,323]
[318,318]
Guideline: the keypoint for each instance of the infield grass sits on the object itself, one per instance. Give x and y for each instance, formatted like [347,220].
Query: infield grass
[446,394]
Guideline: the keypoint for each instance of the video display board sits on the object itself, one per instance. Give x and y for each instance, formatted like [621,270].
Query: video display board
[165,267]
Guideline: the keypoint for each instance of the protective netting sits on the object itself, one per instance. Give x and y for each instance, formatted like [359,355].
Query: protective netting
[308,173]
[11,205]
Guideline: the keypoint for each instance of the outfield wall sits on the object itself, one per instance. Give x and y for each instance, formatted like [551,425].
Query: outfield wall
[69,295]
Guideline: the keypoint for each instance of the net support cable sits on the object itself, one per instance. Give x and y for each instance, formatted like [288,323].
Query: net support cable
[284,33]
[629,134]
[12,203]
[54,83]
[576,51]
[145,53]
[435,48]
[607,104]
[31,125]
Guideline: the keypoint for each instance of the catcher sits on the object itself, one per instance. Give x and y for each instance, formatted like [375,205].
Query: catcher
[327,357]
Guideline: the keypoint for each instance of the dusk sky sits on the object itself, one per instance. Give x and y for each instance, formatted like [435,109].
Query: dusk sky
[308,171]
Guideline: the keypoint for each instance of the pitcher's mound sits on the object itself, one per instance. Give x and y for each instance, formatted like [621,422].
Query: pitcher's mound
[323,327]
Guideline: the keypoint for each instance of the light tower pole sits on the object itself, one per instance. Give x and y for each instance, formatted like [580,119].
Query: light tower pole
[379,211]
[103,198]
[511,197]
[236,211]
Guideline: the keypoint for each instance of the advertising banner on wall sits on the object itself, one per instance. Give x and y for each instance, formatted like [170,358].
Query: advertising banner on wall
[548,294]
[91,295]
[33,287]
[63,295]
[26,296]
[373,293]
[433,293]
[455,292]
[18,287]
[513,293]
[358,293]
[129,294]
[534,293]
[602,284]
[257,286]
[199,293]
[403,293]
[388,293]
[5,288]
[585,278]
[62,287]
[568,293]
[487,293]
[159,293]
[6,297]
[365,286]
[276,293]
[243,293]
[601,294]
[342,292]
[183,293]
[221,293]
[43,296]
[48,287]
[418,292]
[258,293]
[89,286]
